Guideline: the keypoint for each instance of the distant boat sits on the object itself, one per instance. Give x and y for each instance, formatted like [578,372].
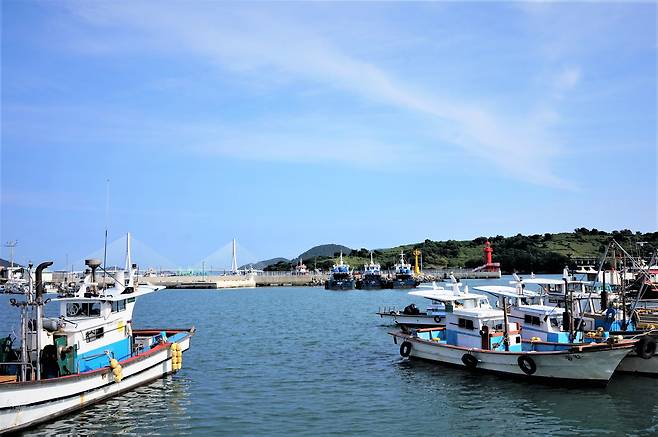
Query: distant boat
[404,275]
[89,353]
[341,277]
[372,276]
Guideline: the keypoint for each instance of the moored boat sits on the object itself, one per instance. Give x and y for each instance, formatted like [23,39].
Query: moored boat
[341,277]
[547,328]
[371,279]
[404,275]
[412,316]
[87,354]
[478,337]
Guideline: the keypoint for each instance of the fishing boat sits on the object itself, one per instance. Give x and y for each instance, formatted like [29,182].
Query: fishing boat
[550,328]
[434,314]
[341,277]
[478,337]
[404,276]
[371,279]
[86,355]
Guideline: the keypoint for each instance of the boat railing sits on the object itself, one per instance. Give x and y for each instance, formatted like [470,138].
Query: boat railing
[389,310]
[21,363]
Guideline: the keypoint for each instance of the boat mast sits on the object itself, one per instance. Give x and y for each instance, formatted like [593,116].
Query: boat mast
[568,296]
[129,264]
[505,327]
[24,316]
[38,302]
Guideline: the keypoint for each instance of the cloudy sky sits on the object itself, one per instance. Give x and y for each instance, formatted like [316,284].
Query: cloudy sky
[287,125]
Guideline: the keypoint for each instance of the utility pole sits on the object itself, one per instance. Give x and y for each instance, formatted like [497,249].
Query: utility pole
[11,245]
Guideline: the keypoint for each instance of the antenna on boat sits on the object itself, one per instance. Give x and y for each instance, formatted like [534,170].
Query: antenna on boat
[107,220]
[341,257]
[129,264]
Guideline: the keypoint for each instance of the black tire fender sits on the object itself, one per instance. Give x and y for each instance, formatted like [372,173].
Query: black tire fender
[469,361]
[527,364]
[437,319]
[405,349]
[646,347]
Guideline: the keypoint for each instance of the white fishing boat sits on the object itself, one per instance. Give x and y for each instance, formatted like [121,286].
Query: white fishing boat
[89,353]
[434,314]
[546,328]
[478,337]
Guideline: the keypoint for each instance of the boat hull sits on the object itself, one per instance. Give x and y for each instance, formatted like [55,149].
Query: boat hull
[402,284]
[587,366]
[25,404]
[633,363]
[347,284]
[370,284]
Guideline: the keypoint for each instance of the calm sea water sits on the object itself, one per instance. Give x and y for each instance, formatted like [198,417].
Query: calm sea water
[277,361]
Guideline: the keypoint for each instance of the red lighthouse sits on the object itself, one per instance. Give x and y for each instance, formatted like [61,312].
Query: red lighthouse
[488,251]
[489,265]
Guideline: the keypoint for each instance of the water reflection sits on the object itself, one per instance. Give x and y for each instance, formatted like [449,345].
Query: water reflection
[160,408]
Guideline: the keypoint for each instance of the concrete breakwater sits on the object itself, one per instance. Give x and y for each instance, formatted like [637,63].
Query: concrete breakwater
[286,279]
[235,281]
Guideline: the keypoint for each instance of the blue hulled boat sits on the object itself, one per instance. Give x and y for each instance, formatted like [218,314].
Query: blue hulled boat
[404,276]
[341,277]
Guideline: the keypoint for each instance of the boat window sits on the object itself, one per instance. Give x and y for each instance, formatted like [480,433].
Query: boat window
[468,303]
[554,322]
[118,305]
[531,320]
[94,334]
[465,323]
[83,309]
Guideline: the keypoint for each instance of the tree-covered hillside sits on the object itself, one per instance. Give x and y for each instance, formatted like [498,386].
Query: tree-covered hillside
[540,253]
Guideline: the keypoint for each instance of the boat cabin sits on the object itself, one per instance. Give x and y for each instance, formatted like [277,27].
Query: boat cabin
[471,322]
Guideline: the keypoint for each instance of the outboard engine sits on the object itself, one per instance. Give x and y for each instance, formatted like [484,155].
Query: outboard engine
[411,310]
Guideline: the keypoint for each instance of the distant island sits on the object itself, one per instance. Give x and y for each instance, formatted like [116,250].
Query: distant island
[539,253]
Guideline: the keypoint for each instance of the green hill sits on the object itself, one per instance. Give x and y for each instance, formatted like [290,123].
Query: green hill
[324,250]
[539,253]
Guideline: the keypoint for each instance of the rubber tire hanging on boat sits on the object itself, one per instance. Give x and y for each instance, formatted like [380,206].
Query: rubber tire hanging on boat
[646,347]
[527,364]
[469,361]
[437,319]
[405,349]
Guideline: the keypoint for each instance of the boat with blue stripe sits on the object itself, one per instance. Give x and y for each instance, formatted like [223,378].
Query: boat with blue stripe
[90,352]
[481,338]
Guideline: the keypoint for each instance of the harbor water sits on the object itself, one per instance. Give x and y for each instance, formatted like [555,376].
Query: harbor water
[305,361]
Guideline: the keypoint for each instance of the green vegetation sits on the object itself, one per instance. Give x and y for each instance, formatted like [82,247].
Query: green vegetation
[547,253]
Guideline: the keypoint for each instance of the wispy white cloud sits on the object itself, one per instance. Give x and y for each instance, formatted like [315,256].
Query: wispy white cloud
[249,42]
[567,79]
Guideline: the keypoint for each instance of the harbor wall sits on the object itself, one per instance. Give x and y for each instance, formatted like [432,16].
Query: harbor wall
[273,279]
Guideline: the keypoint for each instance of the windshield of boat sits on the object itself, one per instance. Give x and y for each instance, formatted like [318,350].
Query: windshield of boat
[83,309]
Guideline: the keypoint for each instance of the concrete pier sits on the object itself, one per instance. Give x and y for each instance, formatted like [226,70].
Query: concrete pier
[229,281]
[235,281]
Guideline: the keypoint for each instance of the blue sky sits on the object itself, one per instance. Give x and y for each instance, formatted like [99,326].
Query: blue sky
[288,125]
